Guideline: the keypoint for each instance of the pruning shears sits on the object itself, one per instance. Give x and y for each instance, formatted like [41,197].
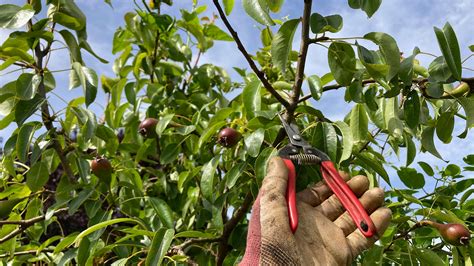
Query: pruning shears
[300,152]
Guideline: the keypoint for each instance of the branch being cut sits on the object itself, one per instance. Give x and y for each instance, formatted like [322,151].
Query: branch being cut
[300,66]
[251,63]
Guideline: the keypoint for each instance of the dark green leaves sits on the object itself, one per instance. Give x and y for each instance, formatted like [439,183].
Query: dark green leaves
[411,109]
[25,135]
[159,246]
[68,14]
[411,178]
[427,141]
[87,78]
[258,10]
[369,6]
[389,49]
[37,176]
[163,211]
[27,85]
[342,62]
[449,46]
[445,126]
[320,24]
[281,43]
[12,16]
[254,141]
[207,179]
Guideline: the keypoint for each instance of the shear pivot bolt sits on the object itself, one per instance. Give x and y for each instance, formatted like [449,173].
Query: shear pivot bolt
[296,137]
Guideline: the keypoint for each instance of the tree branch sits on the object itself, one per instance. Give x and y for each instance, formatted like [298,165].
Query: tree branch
[469,81]
[300,66]
[251,63]
[229,227]
[25,252]
[45,114]
[24,224]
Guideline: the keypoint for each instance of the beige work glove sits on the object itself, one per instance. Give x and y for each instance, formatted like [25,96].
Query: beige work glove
[326,234]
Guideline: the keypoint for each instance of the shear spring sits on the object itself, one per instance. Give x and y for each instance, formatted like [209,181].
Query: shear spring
[305,159]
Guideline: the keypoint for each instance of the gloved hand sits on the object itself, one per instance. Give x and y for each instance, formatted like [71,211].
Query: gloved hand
[326,234]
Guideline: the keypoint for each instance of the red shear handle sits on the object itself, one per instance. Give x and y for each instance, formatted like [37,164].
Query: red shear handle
[291,195]
[346,196]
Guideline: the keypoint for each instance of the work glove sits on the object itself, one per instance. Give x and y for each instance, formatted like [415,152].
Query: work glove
[326,234]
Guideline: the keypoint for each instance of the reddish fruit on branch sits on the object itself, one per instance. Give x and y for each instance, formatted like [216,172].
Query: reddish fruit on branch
[102,168]
[148,128]
[228,137]
[453,233]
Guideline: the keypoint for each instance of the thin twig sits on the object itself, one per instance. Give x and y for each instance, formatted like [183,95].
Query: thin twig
[300,65]
[25,252]
[229,227]
[251,63]
[24,224]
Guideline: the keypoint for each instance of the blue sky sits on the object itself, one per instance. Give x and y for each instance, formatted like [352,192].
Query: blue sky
[410,22]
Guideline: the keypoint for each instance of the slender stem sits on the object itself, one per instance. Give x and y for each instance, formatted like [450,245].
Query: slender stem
[300,66]
[251,63]
[25,252]
[229,227]
[24,224]
[45,114]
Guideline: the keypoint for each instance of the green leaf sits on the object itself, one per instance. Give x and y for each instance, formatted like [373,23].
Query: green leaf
[411,149]
[426,168]
[68,14]
[411,178]
[262,162]
[25,134]
[28,108]
[193,234]
[342,62]
[389,49]
[373,64]
[427,257]
[427,141]
[163,123]
[207,178]
[392,120]
[208,132]
[13,16]
[368,6]
[27,85]
[467,104]
[258,10]
[79,199]
[471,47]
[469,159]
[315,86]
[254,141]
[445,127]
[216,33]
[159,246]
[275,5]
[347,140]
[88,79]
[328,141]
[37,176]
[449,46]
[163,211]
[228,6]
[170,153]
[320,24]
[411,109]
[374,163]
[439,70]
[282,42]
[233,174]
[251,97]
[374,256]
[359,123]
[74,50]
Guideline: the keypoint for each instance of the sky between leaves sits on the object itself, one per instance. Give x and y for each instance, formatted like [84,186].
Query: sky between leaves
[410,22]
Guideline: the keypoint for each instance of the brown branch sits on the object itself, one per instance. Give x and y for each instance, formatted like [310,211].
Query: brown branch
[251,63]
[25,252]
[300,65]
[24,224]
[179,249]
[45,114]
[229,227]
[469,81]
